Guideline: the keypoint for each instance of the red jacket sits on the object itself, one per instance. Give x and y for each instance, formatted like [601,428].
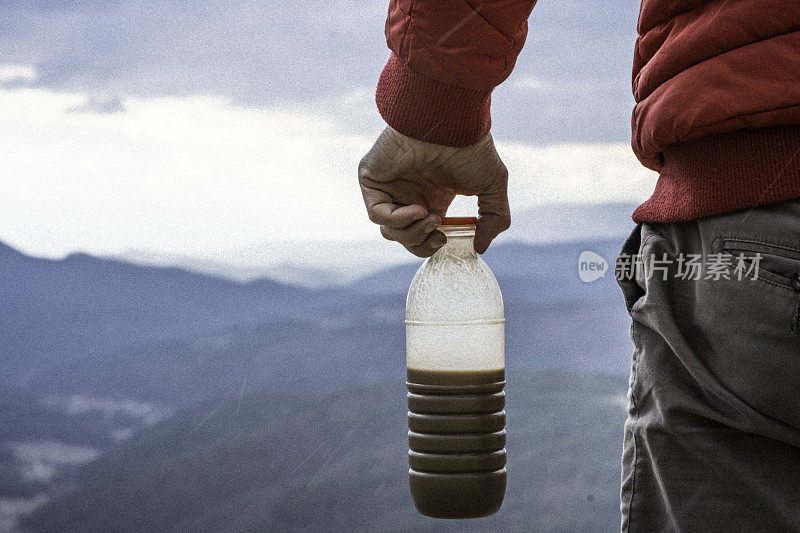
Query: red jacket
[716,83]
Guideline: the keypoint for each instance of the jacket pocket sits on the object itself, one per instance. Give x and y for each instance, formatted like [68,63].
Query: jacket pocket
[773,263]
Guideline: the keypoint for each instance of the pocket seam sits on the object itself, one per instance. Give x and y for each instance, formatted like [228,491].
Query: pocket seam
[765,276]
[726,240]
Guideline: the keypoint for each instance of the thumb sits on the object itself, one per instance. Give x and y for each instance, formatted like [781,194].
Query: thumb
[494,218]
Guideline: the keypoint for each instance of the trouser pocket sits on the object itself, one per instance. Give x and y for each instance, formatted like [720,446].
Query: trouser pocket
[627,262]
[772,263]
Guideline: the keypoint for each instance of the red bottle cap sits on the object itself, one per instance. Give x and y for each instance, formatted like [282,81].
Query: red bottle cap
[459,221]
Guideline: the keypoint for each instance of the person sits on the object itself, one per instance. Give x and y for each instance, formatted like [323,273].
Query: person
[712,437]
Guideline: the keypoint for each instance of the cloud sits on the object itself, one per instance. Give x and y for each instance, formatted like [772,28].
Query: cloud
[187,175]
[575,173]
[274,52]
[199,175]
[255,52]
[16,74]
[99,104]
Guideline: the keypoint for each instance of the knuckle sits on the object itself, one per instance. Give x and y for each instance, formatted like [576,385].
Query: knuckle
[505,222]
[503,171]
[364,172]
[386,233]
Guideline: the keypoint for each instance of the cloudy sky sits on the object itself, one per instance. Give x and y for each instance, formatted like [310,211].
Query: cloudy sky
[199,127]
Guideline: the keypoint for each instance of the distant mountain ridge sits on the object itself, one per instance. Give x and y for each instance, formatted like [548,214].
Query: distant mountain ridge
[113,329]
[51,309]
[325,264]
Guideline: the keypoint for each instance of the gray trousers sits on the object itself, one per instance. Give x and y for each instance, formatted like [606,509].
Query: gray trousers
[712,438]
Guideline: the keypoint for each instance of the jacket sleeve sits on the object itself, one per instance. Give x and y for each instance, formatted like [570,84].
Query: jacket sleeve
[447,57]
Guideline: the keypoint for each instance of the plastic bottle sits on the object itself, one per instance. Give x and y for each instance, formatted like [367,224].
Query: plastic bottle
[455,351]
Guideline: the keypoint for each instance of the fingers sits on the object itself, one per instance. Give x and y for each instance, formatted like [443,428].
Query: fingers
[495,216]
[383,211]
[429,246]
[417,237]
[489,226]
[395,216]
[381,208]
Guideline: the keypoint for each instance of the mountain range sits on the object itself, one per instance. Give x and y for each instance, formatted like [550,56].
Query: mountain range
[105,327]
[108,363]
[310,461]
[316,264]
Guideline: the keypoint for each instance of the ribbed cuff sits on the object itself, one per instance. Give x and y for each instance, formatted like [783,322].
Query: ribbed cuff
[725,172]
[427,110]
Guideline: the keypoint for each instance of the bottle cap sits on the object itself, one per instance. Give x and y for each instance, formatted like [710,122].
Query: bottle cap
[459,221]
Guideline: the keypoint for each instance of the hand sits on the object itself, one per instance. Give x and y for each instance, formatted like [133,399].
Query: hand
[408,185]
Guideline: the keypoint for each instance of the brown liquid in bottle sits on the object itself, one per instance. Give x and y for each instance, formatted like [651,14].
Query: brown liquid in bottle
[457,442]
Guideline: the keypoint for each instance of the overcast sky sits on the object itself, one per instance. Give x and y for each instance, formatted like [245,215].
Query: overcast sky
[198,127]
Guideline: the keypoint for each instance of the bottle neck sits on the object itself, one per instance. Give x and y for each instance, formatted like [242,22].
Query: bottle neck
[460,242]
